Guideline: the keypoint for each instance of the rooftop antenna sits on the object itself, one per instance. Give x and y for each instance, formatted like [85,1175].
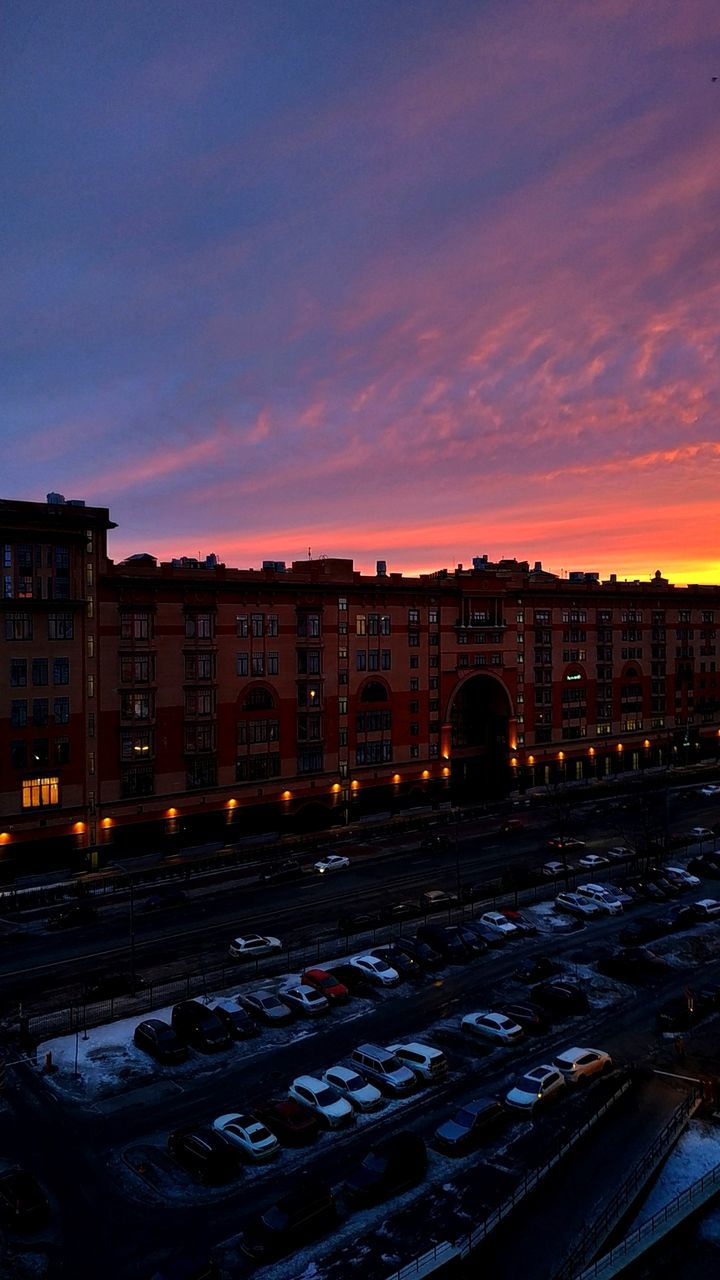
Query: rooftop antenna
[309,553]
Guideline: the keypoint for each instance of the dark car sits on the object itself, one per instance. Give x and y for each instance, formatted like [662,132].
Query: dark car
[632,964]
[404,910]
[23,1203]
[73,917]
[563,998]
[159,1040]
[300,1216]
[476,945]
[511,825]
[531,1017]
[523,923]
[391,1166]
[115,985]
[327,984]
[437,900]
[677,917]
[165,897]
[678,1015]
[354,979]
[204,1153]
[426,956]
[473,1122]
[491,937]
[708,865]
[536,968]
[446,940]
[280,872]
[265,1007]
[640,931]
[358,922]
[407,966]
[237,1022]
[291,1122]
[198,1026]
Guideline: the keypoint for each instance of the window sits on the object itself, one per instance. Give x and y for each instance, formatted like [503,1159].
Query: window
[413,639]
[198,702]
[373,691]
[414,729]
[242,661]
[40,711]
[360,625]
[308,624]
[433,683]
[308,662]
[199,626]
[310,760]
[136,668]
[241,625]
[136,744]
[271,624]
[310,696]
[385,659]
[543,617]
[198,666]
[138,781]
[199,738]
[373,753]
[91,724]
[360,660]
[39,671]
[342,604]
[258,624]
[342,677]
[273,663]
[413,617]
[414,753]
[136,625]
[258,700]
[342,706]
[258,664]
[414,684]
[201,773]
[432,617]
[309,728]
[61,710]
[18,626]
[373,624]
[414,706]
[415,662]
[136,706]
[61,671]
[40,793]
[385,624]
[18,713]
[373,660]
[256,767]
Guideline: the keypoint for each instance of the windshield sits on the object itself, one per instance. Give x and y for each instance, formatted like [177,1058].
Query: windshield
[354,1082]
[374,1163]
[325,1097]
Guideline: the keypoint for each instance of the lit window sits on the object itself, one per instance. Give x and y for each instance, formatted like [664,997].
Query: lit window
[40,793]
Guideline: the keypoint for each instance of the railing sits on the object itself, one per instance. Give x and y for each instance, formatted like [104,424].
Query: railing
[433,1259]
[613,1211]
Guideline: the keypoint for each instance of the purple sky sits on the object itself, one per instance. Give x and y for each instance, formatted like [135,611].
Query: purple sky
[379,277]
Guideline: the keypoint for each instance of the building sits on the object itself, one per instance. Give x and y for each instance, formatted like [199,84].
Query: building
[146,704]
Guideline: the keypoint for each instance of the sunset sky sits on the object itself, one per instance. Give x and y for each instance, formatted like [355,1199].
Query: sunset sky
[409,279]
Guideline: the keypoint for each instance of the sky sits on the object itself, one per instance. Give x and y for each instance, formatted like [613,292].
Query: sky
[404,279]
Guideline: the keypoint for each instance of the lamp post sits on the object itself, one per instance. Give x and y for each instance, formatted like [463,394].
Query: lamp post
[133,974]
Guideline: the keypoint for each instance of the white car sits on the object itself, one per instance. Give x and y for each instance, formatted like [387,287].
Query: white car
[554,869]
[498,923]
[706,909]
[575,905]
[592,860]
[305,1000]
[602,897]
[363,1095]
[246,1132]
[492,1026]
[702,833]
[427,1063]
[536,1086]
[619,853]
[333,862]
[681,877]
[710,789]
[376,969]
[578,1064]
[253,945]
[325,1101]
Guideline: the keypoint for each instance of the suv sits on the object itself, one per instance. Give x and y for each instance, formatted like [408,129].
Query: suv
[392,1166]
[603,898]
[302,1215]
[577,1065]
[427,1063]
[384,1069]
[469,1125]
[204,1153]
[198,1026]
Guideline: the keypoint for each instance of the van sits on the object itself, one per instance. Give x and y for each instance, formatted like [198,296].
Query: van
[298,1217]
[382,1068]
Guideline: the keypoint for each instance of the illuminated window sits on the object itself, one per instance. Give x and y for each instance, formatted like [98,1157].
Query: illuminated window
[40,793]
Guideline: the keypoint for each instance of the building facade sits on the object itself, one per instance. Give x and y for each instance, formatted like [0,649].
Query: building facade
[146,704]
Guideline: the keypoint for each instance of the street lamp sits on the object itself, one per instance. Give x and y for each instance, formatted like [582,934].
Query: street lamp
[133,975]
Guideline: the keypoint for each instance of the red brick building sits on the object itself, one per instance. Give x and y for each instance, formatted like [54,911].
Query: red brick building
[144,702]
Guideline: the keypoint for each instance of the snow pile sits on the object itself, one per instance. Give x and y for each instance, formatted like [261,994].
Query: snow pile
[695,1153]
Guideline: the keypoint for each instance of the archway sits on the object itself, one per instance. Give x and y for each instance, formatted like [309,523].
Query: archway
[479,715]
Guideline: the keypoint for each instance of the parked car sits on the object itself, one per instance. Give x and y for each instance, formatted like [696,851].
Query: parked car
[608,903]
[553,869]
[523,923]
[376,970]
[469,1126]
[78,915]
[199,1027]
[561,997]
[405,910]
[702,833]
[499,923]
[679,916]
[407,966]
[327,984]
[446,940]
[617,891]
[708,866]
[578,1065]
[331,1108]
[427,957]
[492,938]
[382,1068]
[682,877]
[253,946]
[437,900]
[535,968]
[293,1124]
[357,982]
[305,1000]
[358,922]
[363,1095]
[592,860]
[471,938]
[244,1131]
[640,931]
[297,1218]
[237,1022]
[710,789]
[158,1039]
[113,986]
[281,872]
[529,1016]
[394,1164]
[204,1153]
[166,896]
[539,1086]
[427,1063]
[489,1025]
[333,862]
[23,1203]
[706,909]
[573,904]
[620,853]
[511,825]
[565,842]
[265,1007]
[633,964]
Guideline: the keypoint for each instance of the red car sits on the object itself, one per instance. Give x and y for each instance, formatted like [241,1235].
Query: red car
[327,984]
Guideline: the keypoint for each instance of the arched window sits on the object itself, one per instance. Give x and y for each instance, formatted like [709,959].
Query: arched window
[258,699]
[373,691]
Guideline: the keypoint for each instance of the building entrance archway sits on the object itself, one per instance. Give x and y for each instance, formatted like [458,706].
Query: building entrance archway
[479,718]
